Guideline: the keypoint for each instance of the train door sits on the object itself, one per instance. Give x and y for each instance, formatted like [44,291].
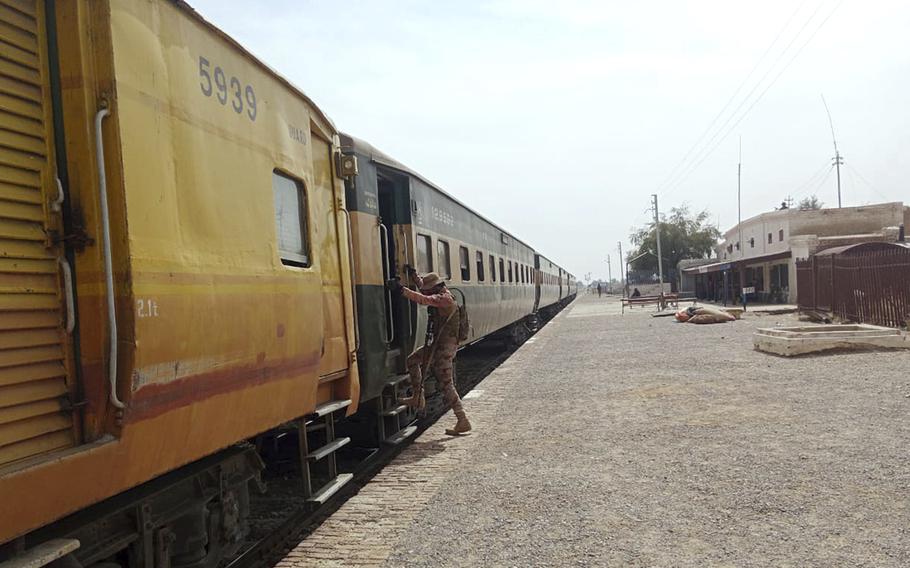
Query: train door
[389,216]
[326,248]
[37,308]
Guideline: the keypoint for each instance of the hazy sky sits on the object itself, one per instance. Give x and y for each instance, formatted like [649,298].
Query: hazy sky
[558,120]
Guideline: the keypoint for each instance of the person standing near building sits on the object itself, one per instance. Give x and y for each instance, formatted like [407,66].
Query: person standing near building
[599,290]
[440,346]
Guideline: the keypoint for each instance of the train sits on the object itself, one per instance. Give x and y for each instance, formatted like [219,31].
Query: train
[192,272]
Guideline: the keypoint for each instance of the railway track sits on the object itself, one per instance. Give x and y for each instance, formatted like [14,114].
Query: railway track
[281,518]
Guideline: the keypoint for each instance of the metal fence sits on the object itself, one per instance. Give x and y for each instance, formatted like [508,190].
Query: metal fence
[866,287]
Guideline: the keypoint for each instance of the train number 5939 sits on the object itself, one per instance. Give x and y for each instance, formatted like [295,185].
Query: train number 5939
[217,83]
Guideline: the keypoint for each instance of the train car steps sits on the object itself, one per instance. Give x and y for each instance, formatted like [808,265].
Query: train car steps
[401,436]
[322,422]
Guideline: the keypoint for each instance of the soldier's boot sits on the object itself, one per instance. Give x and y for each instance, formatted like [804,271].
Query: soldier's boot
[416,400]
[462,426]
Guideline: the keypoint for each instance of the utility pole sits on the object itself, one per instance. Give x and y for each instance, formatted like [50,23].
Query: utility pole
[838,159]
[660,258]
[739,219]
[625,271]
[609,276]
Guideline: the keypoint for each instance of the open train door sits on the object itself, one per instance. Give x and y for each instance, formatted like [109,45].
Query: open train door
[37,309]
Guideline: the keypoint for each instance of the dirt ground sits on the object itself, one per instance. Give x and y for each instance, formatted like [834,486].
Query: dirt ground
[637,441]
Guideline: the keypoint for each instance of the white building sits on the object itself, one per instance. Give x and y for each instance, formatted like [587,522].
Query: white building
[766,247]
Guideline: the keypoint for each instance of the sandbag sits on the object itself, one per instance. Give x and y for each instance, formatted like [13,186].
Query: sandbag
[682,316]
[711,316]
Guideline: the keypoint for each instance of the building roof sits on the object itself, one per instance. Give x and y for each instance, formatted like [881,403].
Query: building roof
[857,248]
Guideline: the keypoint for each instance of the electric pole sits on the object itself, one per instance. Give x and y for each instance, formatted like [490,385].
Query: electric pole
[739,215]
[660,258]
[625,273]
[838,159]
[609,276]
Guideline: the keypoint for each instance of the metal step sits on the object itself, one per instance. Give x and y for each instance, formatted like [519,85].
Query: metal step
[330,488]
[397,379]
[395,411]
[401,436]
[43,554]
[328,408]
[327,449]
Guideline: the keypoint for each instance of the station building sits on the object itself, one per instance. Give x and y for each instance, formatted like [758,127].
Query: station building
[761,252]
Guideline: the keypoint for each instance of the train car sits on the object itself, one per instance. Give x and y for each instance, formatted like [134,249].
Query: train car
[399,218]
[174,279]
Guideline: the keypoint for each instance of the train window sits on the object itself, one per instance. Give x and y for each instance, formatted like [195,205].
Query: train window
[510,271]
[464,263]
[480,275]
[502,271]
[424,254]
[492,268]
[442,257]
[291,220]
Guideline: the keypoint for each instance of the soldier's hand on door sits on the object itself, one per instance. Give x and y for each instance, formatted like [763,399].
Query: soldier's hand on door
[394,285]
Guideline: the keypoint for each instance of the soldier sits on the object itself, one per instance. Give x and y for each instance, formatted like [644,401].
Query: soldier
[440,347]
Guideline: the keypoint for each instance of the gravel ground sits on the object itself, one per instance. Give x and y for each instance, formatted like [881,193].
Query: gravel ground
[632,440]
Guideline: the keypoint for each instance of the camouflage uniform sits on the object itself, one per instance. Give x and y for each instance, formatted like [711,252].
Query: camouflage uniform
[444,322]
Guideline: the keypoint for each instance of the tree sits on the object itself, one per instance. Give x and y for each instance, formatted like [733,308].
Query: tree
[810,203]
[682,235]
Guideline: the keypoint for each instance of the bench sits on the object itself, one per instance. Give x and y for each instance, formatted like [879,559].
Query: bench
[667,300]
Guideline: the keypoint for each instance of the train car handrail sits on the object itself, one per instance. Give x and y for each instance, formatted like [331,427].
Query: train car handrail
[347,217]
[108,263]
[384,236]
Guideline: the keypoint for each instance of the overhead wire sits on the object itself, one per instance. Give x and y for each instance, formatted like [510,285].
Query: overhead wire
[734,95]
[865,181]
[695,166]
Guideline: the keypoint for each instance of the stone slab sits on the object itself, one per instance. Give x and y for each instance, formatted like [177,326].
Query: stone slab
[806,339]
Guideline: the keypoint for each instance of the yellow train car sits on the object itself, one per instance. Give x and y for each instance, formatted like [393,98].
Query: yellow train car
[174,278]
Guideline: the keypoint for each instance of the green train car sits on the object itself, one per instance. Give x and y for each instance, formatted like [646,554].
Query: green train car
[400,218]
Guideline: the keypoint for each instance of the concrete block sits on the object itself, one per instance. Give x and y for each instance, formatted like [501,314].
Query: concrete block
[800,340]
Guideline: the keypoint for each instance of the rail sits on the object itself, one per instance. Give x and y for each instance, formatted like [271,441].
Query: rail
[108,263]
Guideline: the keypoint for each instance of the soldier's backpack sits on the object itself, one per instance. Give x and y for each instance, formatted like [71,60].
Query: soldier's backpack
[464,324]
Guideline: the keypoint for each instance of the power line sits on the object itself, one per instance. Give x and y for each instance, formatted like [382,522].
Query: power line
[813,179]
[734,95]
[865,181]
[760,96]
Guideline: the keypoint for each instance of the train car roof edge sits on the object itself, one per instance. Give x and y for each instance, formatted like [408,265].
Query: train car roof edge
[192,12]
[383,159]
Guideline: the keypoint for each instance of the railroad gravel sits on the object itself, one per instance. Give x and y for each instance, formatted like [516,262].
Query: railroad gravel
[637,441]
